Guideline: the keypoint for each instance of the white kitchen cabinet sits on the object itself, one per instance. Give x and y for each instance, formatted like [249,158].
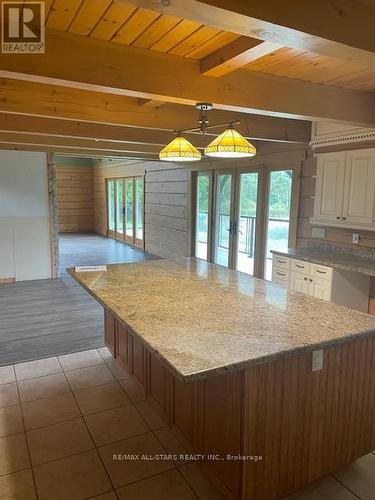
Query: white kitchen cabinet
[345,189]
[359,187]
[299,282]
[342,287]
[329,195]
[320,288]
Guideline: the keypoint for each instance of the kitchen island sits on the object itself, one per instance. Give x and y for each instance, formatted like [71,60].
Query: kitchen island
[274,388]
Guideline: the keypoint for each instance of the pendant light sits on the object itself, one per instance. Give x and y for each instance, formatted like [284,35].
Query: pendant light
[230,144]
[180,149]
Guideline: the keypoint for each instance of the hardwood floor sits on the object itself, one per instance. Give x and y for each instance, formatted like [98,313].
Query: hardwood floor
[50,317]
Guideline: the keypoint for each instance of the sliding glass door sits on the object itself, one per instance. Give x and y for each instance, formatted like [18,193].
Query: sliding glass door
[125,209]
[241,215]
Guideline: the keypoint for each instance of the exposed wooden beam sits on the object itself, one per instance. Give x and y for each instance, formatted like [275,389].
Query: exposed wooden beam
[235,55]
[149,103]
[83,107]
[102,66]
[77,143]
[334,29]
[73,151]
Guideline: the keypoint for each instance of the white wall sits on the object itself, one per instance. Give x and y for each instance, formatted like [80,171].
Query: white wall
[25,251]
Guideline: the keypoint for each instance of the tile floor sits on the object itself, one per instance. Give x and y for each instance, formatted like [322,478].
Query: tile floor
[65,420]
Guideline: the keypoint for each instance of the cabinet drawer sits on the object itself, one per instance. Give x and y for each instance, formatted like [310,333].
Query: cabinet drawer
[280,275]
[322,272]
[300,266]
[281,262]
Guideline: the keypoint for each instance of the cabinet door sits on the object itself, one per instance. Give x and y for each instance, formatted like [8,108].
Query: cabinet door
[320,289]
[329,193]
[359,187]
[298,282]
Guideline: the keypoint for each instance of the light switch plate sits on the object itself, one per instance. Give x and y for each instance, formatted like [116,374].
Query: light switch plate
[318,232]
[355,239]
[317,360]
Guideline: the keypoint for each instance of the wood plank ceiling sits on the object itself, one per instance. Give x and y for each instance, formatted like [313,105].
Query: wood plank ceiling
[138,27]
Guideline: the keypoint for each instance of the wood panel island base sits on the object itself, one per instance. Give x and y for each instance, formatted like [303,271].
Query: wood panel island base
[267,423]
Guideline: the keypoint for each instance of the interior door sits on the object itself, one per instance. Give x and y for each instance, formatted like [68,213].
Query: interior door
[223,219]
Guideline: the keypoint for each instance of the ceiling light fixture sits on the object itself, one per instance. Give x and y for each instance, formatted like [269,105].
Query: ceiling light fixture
[180,149]
[229,144]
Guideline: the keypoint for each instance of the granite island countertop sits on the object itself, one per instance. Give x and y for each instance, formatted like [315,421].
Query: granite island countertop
[336,258]
[202,319]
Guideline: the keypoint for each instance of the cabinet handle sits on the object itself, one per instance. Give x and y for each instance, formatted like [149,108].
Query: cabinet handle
[305,279]
[281,274]
[321,272]
[281,261]
[337,217]
[344,218]
[300,267]
[310,280]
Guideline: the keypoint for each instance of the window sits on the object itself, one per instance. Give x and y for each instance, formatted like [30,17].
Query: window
[125,202]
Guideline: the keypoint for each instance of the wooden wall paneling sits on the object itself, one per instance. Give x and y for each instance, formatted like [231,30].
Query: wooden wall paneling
[110,332]
[184,411]
[307,424]
[221,426]
[138,361]
[122,344]
[159,382]
[75,198]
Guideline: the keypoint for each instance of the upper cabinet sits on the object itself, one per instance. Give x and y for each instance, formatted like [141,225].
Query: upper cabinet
[345,189]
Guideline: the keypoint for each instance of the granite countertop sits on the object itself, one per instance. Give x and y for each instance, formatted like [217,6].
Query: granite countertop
[335,257]
[202,319]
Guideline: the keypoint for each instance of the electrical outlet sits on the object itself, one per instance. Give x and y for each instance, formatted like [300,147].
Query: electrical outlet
[317,360]
[355,239]
[318,232]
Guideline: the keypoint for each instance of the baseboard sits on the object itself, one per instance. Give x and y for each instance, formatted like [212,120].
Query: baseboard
[7,280]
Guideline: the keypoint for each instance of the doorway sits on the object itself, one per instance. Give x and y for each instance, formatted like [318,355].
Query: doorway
[125,210]
[241,215]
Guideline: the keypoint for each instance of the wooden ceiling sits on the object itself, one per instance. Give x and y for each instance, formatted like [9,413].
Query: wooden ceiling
[137,27]
[118,76]
[129,25]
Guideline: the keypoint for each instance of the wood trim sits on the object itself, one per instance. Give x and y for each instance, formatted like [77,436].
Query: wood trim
[5,281]
[53,217]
